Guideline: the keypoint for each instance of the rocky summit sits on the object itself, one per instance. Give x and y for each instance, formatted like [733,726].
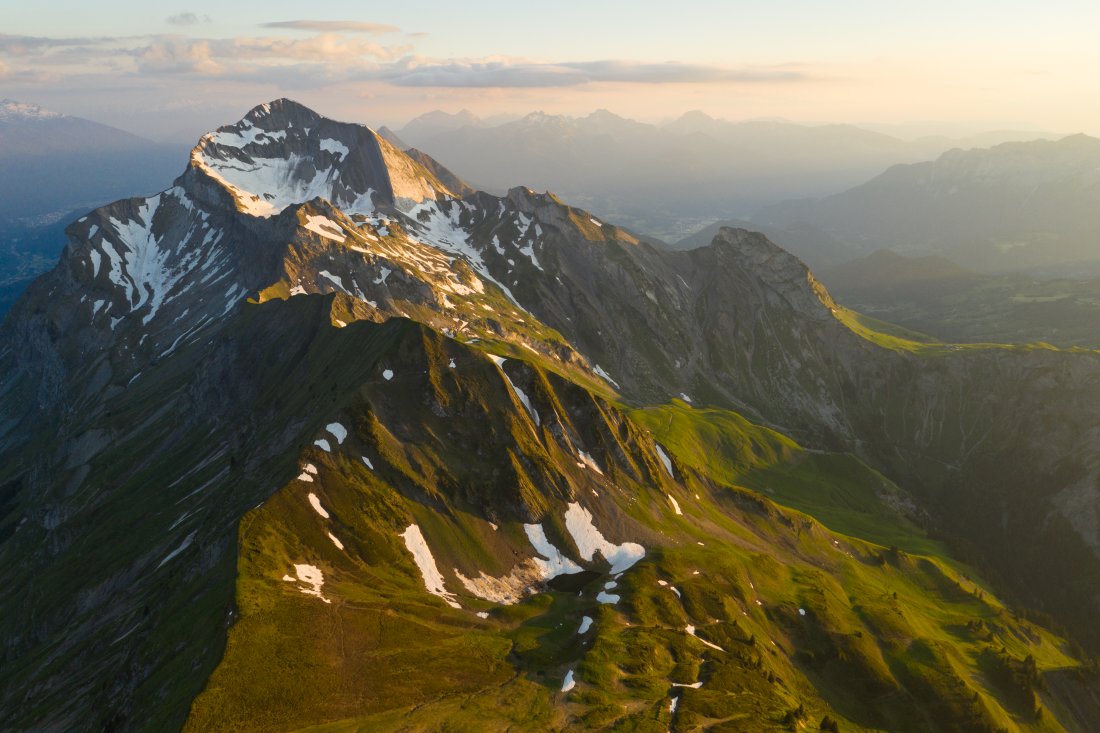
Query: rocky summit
[321,437]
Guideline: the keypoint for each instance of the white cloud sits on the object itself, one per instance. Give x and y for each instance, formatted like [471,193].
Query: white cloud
[327,54]
[345,53]
[184,19]
[178,56]
[32,45]
[333,26]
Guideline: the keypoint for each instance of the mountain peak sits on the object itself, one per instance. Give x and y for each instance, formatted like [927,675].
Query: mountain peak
[771,265]
[438,121]
[283,153]
[281,112]
[696,115]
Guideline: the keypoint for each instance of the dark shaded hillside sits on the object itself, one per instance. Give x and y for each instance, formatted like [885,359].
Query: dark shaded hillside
[937,297]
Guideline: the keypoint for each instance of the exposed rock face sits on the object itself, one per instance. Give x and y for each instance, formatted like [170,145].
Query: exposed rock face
[282,153]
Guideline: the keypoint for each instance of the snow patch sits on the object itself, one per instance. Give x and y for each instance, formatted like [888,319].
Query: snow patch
[568,684]
[325,226]
[691,630]
[335,541]
[433,579]
[141,266]
[586,460]
[586,624]
[264,186]
[443,231]
[675,504]
[94,256]
[665,461]
[311,577]
[317,505]
[334,146]
[519,393]
[338,431]
[182,546]
[323,445]
[555,563]
[607,377]
[335,280]
[589,541]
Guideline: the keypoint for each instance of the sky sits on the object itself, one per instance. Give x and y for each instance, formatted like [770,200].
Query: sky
[171,73]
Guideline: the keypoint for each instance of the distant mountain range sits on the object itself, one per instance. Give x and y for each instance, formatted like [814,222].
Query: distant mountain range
[666,180]
[54,165]
[51,162]
[1016,206]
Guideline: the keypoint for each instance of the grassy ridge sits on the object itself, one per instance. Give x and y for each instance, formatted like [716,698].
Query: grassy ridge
[840,607]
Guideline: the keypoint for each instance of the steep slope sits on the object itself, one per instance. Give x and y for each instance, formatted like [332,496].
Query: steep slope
[1025,205]
[744,325]
[121,539]
[704,604]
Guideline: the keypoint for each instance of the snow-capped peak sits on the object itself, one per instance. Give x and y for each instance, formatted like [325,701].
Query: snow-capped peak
[282,153]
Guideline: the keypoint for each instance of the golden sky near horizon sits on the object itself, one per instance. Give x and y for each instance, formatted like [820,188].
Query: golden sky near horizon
[904,67]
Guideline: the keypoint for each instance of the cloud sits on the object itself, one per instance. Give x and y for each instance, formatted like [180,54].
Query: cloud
[329,57]
[333,26]
[510,73]
[184,19]
[29,45]
[175,56]
[326,55]
[474,73]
